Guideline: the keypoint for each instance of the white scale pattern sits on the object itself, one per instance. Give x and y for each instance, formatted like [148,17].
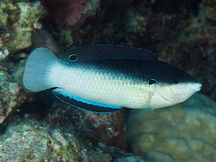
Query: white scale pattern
[97,87]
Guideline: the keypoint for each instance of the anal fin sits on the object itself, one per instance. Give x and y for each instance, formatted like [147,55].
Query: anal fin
[81,103]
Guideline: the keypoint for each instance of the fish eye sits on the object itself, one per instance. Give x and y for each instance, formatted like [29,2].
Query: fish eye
[175,80]
[72,57]
[152,82]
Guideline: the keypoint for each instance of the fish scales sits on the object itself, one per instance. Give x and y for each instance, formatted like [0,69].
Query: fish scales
[105,78]
[100,86]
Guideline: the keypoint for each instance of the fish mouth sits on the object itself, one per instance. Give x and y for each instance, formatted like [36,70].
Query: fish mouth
[177,93]
[189,88]
[196,87]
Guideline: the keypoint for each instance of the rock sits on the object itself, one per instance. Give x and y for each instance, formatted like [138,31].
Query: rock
[17,20]
[106,128]
[98,156]
[11,92]
[184,132]
[210,9]
[36,143]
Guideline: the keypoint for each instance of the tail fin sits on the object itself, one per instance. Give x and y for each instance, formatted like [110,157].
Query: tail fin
[37,69]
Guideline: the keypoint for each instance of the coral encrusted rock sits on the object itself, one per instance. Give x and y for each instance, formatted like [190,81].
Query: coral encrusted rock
[184,132]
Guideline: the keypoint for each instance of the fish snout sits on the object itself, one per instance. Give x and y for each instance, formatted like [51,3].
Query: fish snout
[183,91]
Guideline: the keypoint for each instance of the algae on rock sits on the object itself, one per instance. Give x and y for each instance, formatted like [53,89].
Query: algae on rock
[37,143]
[17,20]
[11,92]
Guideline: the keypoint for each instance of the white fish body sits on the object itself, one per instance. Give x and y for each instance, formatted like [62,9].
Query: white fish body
[89,84]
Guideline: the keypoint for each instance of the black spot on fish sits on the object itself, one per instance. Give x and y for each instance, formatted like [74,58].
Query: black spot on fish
[152,81]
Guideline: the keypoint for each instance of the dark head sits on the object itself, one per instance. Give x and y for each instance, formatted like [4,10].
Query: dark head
[170,85]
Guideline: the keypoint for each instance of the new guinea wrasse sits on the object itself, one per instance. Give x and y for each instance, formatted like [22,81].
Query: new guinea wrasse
[105,78]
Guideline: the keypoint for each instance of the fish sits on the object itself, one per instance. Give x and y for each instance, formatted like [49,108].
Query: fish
[106,78]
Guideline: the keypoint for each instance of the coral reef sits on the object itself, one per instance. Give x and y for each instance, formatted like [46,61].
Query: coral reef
[25,142]
[181,32]
[71,13]
[98,156]
[28,139]
[17,20]
[108,128]
[184,132]
[11,93]
[210,9]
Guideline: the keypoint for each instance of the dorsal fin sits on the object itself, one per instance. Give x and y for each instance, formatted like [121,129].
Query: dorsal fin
[103,52]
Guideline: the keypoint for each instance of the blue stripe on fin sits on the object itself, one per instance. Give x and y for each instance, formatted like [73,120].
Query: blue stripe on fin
[83,103]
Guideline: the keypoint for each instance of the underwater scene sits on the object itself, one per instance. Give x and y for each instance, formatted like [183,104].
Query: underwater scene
[107,81]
